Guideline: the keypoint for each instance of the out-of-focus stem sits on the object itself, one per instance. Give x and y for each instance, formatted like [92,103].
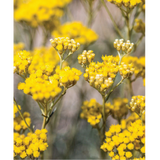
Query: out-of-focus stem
[138,42]
[130,87]
[115,25]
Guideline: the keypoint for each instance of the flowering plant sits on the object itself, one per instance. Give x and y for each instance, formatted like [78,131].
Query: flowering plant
[49,72]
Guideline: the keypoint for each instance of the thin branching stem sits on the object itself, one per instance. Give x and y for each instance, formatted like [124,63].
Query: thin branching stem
[115,25]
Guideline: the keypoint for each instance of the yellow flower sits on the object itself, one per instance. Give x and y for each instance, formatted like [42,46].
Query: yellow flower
[46,13]
[126,3]
[23,154]
[36,154]
[78,32]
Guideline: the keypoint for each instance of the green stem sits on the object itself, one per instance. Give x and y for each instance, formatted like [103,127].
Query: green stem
[44,117]
[138,42]
[130,87]
[102,153]
[115,25]
[90,14]
[135,16]
[61,63]
[104,119]
[51,108]
[128,26]
[107,96]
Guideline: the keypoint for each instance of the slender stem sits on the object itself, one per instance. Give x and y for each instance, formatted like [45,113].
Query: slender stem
[103,111]
[104,118]
[102,153]
[61,63]
[44,117]
[41,107]
[107,96]
[127,17]
[135,16]
[51,108]
[22,116]
[90,14]
[138,42]
[130,87]
[115,25]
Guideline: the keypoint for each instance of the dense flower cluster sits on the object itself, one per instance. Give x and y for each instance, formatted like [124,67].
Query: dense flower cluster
[101,75]
[140,26]
[31,145]
[22,60]
[137,105]
[92,111]
[61,44]
[126,47]
[46,13]
[77,31]
[44,59]
[139,65]
[40,88]
[17,3]
[66,76]
[121,144]
[126,70]
[85,58]
[126,3]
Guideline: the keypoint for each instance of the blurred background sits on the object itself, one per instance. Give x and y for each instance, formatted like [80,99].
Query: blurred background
[69,136]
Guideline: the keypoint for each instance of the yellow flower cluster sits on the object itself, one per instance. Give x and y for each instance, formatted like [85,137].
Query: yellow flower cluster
[132,118]
[18,47]
[19,123]
[31,145]
[126,3]
[46,13]
[22,60]
[44,59]
[119,108]
[140,26]
[137,105]
[101,75]
[17,3]
[126,70]
[61,44]
[126,47]
[77,31]
[120,144]
[92,111]
[138,63]
[66,76]
[40,88]
[85,58]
